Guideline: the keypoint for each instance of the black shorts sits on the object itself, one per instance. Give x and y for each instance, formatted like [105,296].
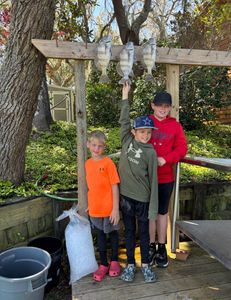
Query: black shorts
[164,195]
[134,208]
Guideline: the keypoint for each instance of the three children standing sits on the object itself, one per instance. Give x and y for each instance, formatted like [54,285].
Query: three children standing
[138,187]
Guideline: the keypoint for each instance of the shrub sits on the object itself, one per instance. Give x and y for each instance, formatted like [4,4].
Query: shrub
[53,155]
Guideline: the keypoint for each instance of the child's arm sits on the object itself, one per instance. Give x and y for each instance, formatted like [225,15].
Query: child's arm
[115,216]
[152,173]
[125,113]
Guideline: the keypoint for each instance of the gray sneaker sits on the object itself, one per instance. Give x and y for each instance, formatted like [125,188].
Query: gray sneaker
[128,273]
[149,275]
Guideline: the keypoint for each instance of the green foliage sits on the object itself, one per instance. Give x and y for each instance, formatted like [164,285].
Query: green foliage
[202,89]
[212,141]
[102,105]
[144,92]
[53,156]
[71,19]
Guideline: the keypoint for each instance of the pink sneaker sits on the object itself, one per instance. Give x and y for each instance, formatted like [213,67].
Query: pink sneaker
[99,274]
[114,269]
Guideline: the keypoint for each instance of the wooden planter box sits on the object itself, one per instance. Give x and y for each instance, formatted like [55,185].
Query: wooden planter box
[24,219]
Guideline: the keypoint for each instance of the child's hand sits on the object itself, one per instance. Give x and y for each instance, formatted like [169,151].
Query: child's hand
[125,90]
[87,210]
[161,161]
[114,217]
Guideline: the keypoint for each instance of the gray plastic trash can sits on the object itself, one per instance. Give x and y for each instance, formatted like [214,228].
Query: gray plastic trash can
[23,273]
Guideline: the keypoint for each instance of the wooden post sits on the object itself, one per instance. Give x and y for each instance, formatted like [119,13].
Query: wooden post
[172,86]
[81,124]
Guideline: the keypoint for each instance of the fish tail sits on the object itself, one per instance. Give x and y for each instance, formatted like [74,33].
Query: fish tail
[149,77]
[123,80]
[104,79]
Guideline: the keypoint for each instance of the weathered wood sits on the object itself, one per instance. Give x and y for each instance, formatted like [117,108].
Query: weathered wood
[72,50]
[81,134]
[172,86]
[200,276]
[22,220]
[24,212]
[214,236]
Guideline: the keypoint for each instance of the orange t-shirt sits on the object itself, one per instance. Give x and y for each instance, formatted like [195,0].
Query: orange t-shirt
[100,175]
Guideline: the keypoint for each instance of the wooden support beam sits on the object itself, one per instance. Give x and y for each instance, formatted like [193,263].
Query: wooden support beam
[74,50]
[172,86]
[81,133]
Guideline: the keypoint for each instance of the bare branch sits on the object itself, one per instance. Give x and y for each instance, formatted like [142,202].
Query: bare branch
[106,26]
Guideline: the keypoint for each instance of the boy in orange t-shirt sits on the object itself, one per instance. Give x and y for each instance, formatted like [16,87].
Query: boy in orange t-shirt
[103,203]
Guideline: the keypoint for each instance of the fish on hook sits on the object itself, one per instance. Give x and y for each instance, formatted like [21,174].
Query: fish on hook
[103,56]
[149,57]
[124,67]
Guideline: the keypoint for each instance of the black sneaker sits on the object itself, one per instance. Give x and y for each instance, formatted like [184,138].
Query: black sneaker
[161,256]
[152,254]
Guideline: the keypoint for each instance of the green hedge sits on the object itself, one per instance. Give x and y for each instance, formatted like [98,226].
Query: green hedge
[53,156]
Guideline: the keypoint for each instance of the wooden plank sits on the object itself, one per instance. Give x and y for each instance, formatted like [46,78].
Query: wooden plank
[15,214]
[214,236]
[138,289]
[222,291]
[81,123]
[172,86]
[74,50]
[199,275]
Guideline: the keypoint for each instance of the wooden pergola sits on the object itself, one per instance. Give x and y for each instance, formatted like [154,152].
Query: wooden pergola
[79,52]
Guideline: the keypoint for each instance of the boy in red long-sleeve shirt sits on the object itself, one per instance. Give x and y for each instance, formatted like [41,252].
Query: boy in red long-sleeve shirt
[170,144]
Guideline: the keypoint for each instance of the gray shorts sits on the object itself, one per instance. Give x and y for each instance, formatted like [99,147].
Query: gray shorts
[103,224]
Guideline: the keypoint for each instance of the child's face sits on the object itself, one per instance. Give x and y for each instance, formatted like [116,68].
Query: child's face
[96,148]
[161,111]
[142,135]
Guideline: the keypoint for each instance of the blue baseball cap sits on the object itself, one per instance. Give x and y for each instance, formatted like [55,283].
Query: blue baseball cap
[143,122]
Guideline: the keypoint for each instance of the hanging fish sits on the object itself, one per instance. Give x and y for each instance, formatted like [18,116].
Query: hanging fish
[124,67]
[149,57]
[103,56]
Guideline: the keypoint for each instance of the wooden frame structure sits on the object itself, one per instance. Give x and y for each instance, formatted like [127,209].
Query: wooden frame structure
[172,57]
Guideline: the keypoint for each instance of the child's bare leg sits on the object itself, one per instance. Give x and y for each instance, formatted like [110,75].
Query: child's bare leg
[162,224]
[152,230]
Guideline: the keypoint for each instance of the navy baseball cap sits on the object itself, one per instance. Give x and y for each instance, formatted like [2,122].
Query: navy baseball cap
[143,122]
[162,98]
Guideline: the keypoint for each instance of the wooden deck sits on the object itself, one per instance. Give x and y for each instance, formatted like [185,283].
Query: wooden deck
[199,277]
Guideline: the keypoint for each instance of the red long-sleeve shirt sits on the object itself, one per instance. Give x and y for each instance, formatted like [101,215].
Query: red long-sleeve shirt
[169,141]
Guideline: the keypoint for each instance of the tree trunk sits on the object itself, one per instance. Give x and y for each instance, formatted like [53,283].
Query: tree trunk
[42,117]
[130,32]
[21,76]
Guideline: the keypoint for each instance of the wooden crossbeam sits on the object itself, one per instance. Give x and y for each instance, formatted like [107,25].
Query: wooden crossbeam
[74,50]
